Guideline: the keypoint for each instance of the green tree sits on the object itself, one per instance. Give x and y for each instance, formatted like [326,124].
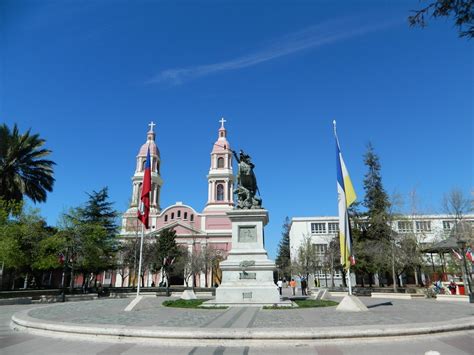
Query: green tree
[376,229]
[90,232]
[19,240]
[99,210]
[461,10]
[307,260]
[166,251]
[283,259]
[24,171]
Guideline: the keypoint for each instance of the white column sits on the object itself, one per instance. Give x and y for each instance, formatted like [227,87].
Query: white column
[226,189]
[209,191]
[133,193]
[213,193]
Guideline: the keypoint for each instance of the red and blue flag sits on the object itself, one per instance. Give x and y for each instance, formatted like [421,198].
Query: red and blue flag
[144,204]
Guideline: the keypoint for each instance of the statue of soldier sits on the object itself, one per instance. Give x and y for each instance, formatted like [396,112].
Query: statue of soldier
[246,183]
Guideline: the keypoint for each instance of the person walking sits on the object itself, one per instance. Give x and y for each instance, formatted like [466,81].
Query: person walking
[304,284]
[293,286]
[280,285]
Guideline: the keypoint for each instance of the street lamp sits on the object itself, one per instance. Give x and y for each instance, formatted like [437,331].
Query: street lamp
[462,245]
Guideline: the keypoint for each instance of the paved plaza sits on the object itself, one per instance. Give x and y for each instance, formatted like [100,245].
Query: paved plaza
[149,312]
[278,329]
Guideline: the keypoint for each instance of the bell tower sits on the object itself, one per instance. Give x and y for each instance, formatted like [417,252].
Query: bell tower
[220,178]
[156,181]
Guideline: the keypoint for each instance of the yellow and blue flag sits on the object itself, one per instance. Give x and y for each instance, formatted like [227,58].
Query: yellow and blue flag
[346,196]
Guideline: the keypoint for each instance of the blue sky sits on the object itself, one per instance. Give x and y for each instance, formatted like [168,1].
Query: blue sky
[90,75]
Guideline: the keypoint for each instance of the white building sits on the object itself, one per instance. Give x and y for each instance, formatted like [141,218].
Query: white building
[321,230]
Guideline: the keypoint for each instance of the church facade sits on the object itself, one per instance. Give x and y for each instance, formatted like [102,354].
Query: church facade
[195,230]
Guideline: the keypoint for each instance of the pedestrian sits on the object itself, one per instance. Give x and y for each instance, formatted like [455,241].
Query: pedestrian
[304,284]
[452,287]
[280,285]
[293,286]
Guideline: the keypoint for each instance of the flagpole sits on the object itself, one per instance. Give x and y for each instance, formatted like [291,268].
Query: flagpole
[349,283]
[140,262]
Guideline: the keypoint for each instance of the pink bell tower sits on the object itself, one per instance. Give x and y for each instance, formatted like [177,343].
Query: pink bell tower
[156,181]
[220,177]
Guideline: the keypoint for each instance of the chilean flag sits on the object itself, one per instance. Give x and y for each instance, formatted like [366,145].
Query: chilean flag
[470,255]
[144,206]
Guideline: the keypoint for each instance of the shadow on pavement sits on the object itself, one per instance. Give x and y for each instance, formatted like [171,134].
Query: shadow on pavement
[381,304]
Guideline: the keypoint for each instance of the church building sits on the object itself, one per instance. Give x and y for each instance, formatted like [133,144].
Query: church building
[209,228]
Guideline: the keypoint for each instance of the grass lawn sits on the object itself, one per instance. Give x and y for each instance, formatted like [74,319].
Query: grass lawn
[189,304]
[306,304]
[315,303]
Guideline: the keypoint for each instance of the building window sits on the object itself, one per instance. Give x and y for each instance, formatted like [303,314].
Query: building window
[172,215]
[318,228]
[423,226]
[192,217]
[185,215]
[333,228]
[179,214]
[166,218]
[405,227]
[220,162]
[320,249]
[220,192]
[447,225]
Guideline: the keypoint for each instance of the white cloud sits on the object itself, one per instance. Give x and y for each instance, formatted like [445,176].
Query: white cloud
[309,38]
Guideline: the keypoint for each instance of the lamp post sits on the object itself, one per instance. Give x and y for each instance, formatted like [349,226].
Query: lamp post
[462,245]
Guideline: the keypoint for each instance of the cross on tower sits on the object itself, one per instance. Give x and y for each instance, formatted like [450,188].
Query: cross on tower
[151,124]
[222,121]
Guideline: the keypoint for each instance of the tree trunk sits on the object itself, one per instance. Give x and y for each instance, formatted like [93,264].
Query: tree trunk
[394,275]
[415,269]
[71,286]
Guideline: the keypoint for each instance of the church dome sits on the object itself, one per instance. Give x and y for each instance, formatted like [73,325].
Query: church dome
[150,142]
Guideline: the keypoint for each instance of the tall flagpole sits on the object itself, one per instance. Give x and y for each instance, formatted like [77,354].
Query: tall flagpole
[140,262]
[346,226]
[349,283]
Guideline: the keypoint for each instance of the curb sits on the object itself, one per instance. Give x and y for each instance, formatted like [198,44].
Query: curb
[22,321]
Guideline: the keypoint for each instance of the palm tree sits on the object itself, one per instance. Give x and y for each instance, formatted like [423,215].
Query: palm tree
[23,169]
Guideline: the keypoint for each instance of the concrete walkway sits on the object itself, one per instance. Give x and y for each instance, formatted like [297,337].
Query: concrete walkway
[150,321]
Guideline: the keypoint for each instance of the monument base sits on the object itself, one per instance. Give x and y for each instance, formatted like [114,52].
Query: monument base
[351,303]
[247,273]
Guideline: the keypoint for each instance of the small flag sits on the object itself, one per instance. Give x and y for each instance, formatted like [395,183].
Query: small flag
[469,254]
[456,254]
[144,205]
[346,196]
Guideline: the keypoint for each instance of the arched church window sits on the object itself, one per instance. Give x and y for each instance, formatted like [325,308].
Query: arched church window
[179,214]
[185,215]
[172,215]
[143,165]
[220,192]
[166,218]
[192,217]
[220,162]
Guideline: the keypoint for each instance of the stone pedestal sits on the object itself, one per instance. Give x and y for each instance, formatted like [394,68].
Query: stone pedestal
[247,274]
